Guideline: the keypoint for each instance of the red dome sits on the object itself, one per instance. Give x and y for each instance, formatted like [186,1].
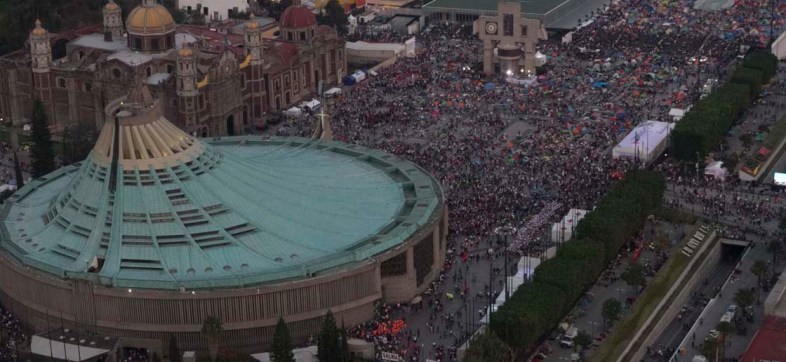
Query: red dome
[298,17]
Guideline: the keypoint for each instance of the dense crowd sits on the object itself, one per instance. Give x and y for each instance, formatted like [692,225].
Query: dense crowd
[15,340]
[503,152]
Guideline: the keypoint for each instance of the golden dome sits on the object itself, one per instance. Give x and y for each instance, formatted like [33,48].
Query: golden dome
[252,25]
[111,5]
[38,29]
[150,19]
[185,52]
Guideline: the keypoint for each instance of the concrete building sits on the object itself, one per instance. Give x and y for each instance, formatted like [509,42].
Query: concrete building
[157,229]
[212,82]
[509,40]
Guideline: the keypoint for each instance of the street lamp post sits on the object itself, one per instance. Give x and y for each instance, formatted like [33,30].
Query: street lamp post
[505,232]
[594,326]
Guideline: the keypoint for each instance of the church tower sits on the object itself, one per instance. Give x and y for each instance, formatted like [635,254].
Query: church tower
[113,23]
[40,49]
[187,89]
[254,41]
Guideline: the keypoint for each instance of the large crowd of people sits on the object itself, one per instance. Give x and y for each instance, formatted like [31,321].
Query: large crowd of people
[502,152]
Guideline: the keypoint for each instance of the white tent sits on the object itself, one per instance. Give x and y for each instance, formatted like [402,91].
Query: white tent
[312,105]
[359,76]
[293,112]
[410,46]
[63,351]
[716,171]
[676,114]
[645,142]
[562,231]
[332,92]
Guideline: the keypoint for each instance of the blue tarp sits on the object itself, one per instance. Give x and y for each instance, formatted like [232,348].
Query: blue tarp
[489,86]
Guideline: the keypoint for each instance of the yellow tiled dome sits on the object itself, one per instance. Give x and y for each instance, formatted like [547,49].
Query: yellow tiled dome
[150,19]
[38,29]
[111,5]
[184,52]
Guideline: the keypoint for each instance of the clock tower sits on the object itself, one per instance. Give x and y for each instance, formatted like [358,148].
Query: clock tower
[509,40]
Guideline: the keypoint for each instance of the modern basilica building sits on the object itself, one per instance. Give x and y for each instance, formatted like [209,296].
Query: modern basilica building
[157,230]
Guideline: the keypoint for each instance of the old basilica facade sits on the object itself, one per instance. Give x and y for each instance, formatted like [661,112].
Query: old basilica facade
[213,82]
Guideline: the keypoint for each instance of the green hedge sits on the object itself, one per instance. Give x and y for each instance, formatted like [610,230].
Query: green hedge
[623,211]
[705,125]
[537,307]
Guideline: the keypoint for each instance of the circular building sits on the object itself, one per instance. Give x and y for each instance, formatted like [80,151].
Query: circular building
[156,230]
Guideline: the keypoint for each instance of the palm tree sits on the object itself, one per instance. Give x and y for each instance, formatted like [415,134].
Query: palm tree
[759,268]
[744,298]
[211,329]
[724,331]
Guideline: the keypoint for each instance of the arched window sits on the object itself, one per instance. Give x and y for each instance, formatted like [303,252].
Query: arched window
[149,71]
[170,68]
[116,73]
[61,82]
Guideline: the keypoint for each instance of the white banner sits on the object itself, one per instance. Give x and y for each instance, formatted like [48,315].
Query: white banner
[390,356]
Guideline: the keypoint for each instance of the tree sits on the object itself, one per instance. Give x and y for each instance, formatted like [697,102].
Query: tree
[635,275]
[487,347]
[174,351]
[709,349]
[281,348]
[759,269]
[41,154]
[334,16]
[583,340]
[747,140]
[344,352]
[612,308]
[211,329]
[77,141]
[724,331]
[328,343]
[744,298]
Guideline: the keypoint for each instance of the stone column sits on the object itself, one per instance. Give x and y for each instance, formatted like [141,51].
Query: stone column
[488,54]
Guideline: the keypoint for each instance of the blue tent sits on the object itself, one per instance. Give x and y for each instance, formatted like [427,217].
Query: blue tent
[600,84]
[489,86]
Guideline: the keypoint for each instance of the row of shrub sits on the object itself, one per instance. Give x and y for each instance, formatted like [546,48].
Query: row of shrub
[537,307]
[705,125]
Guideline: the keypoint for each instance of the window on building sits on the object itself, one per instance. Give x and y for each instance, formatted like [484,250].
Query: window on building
[507,25]
[424,258]
[289,36]
[138,43]
[116,73]
[170,68]
[524,30]
[148,71]
[87,86]
[154,44]
[396,265]
[61,82]
[302,36]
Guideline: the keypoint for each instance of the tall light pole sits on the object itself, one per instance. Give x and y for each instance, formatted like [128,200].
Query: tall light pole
[505,232]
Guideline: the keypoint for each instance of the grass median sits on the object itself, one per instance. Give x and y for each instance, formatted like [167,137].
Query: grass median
[626,329]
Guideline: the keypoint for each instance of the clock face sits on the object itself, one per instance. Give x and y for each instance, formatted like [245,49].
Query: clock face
[491,28]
